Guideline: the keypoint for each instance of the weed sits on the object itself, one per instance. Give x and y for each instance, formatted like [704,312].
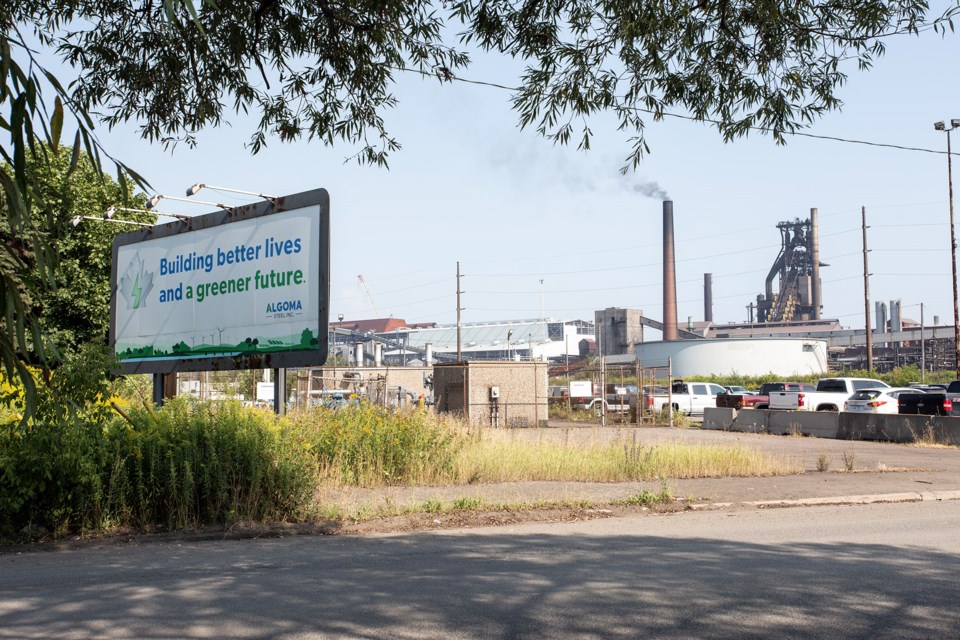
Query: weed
[926,437]
[471,503]
[795,431]
[648,497]
[330,512]
[680,419]
[432,506]
[823,462]
[849,459]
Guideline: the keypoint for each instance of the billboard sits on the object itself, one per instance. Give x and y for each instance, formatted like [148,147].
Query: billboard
[245,288]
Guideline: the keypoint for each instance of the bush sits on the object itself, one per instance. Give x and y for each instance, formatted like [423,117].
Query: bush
[76,465]
[51,465]
[194,463]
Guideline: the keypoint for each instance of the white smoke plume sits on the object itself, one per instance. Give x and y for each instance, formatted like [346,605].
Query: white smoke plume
[651,190]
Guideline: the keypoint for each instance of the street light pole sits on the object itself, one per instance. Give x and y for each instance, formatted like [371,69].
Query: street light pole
[939,126]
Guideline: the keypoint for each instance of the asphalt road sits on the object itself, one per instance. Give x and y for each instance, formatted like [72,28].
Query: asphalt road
[877,571]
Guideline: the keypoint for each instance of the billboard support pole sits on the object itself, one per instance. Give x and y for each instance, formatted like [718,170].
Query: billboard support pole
[280,391]
[158,389]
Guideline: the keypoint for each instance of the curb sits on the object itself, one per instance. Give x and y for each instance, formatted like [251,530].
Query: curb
[911,496]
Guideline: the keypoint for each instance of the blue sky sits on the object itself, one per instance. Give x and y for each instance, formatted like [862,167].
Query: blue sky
[469,185]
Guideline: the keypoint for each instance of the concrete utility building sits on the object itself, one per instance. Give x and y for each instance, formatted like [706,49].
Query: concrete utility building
[617,330]
[494,394]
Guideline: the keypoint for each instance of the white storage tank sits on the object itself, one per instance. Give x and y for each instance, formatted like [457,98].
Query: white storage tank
[744,356]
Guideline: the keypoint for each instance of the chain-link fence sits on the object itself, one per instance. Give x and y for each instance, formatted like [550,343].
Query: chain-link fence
[622,393]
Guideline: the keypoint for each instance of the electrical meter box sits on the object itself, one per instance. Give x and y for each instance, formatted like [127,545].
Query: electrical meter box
[494,393]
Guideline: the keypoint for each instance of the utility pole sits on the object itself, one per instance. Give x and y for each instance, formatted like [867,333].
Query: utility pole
[543,328]
[459,309]
[866,291]
[953,260]
[941,126]
[923,349]
[603,383]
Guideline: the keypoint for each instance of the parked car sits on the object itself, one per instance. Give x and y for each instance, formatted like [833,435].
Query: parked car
[618,398]
[876,400]
[690,397]
[830,394]
[932,403]
[737,390]
[760,400]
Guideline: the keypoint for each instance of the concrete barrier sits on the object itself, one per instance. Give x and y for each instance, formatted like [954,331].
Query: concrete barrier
[829,424]
[750,421]
[897,428]
[720,418]
[820,424]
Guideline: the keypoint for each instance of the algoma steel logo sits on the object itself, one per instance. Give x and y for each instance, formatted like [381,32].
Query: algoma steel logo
[136,284]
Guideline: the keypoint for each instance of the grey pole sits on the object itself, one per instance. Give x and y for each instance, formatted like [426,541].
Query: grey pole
[158,390]
[280,391]
[923,349]
[866,291]
[670,388]
[953,262]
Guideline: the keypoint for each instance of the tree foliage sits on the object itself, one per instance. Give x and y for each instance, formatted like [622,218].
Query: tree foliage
[324,69]
[75,310]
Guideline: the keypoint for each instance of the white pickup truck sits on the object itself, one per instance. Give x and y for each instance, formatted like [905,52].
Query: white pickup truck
[829,396]
[689,397]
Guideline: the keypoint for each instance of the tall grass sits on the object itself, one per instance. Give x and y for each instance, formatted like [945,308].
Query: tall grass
[186,465]
[195,463]
[371,446]
[492,457]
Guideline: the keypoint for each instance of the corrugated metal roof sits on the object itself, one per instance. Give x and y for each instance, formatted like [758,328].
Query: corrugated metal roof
[488,334]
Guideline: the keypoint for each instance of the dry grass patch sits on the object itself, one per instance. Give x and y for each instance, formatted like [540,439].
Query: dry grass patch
[496,457]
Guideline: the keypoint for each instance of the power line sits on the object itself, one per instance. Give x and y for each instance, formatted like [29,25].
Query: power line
[662,114]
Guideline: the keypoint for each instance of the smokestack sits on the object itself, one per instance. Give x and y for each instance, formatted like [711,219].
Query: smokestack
[708,297]
[358,351]
[895,315]
[815,297]
[669,275]
[377,354]
[428,355]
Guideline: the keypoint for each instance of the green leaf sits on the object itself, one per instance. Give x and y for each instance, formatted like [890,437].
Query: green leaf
[122,181]
[56,123]
[75,156]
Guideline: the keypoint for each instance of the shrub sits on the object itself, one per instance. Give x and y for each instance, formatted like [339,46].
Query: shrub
[51,465]
[78,466]
[195,463]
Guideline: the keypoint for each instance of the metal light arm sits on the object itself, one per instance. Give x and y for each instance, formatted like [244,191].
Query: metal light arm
[75,220]
[195,189]
[155,200]
[112,211]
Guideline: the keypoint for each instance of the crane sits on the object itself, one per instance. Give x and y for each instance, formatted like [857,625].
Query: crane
[369,297]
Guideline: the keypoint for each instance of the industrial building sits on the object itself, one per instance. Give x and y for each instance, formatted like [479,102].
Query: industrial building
[517,340]
[785,332]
